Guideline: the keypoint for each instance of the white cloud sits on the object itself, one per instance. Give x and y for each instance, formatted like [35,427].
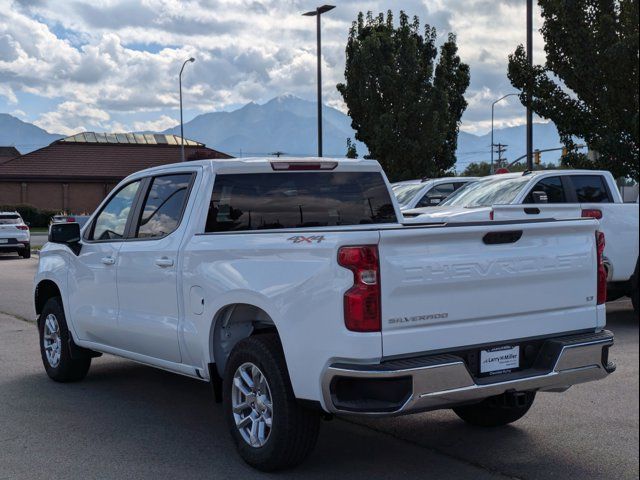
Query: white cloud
[123,57]
[72,117]
[163,123]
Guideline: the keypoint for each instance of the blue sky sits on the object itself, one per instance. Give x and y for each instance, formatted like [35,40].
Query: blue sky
[112,65]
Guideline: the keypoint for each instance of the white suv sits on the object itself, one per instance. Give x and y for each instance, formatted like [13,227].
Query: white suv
[14,234]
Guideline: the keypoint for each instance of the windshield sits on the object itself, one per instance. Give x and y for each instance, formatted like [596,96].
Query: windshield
[484,193]
[10,219]
[404,192]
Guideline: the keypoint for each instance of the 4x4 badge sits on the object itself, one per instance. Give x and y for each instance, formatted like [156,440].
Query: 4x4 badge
[303,239]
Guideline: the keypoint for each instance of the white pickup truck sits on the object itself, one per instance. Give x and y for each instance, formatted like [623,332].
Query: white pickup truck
[293,287]
[560,194]
[427,192]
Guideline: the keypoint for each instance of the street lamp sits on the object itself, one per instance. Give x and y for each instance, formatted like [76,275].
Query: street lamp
[530,63]
[190,60]
[492,107]
[317,13]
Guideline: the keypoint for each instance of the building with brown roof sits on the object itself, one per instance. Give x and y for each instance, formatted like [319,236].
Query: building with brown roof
[8,153]
[75,173]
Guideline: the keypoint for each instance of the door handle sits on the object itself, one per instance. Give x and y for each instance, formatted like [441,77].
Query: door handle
[164,262]
[108,260]
[497,238]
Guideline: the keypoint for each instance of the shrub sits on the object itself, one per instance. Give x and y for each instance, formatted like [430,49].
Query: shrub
[31,215]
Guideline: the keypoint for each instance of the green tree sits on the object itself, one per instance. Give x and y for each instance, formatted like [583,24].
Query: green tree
[352,151]
[404,106]
[588,85]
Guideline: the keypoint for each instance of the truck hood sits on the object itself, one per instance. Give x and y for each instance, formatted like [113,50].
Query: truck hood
[447,214]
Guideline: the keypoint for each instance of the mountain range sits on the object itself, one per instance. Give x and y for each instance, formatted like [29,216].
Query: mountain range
[26,137]
[288,124]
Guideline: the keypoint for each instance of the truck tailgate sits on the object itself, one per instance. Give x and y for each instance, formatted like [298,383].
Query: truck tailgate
[465,284]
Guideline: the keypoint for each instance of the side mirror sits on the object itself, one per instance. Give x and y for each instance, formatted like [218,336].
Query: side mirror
[540,197]
[66,234]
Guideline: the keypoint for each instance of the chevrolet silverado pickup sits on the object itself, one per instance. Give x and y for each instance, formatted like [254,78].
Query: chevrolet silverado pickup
[554,194]
[294,288]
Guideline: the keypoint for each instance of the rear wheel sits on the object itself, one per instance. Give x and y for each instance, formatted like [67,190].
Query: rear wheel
[497,411]
[271,430]
[54,345]
[26,252]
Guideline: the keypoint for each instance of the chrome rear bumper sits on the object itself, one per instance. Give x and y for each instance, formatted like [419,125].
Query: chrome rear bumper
[442,381]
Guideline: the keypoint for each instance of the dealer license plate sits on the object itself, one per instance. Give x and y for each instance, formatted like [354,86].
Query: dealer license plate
[499,359]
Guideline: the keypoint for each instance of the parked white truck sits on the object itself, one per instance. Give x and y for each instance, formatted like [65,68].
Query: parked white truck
[427,192]
[293,287]
[553,194]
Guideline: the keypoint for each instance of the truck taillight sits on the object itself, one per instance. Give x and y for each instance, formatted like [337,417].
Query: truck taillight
[362,301]
[602,272]
[592,213]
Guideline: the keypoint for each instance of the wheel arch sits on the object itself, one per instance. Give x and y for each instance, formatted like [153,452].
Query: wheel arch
[232,323]
[45,290]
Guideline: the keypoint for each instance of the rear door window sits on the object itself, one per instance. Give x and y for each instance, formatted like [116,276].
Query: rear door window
[552,186]
[163,207]
[258,201]
[590,189]
[439,192]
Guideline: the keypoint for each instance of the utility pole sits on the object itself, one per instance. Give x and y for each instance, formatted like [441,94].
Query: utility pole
[317,13]
[530,62]
[500,149]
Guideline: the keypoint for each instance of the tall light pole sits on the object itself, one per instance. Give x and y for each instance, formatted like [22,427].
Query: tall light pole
[190,60]
[317,13]
[530,62]
[492,107]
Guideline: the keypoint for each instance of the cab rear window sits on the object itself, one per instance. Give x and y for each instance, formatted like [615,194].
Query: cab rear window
[260,201]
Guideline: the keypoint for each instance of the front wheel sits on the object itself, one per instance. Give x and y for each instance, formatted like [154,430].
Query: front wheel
[54,345]
[271,430]
[497,411]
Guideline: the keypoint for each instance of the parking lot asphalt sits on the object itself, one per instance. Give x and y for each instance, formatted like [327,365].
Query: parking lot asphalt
[38,239]
[16,280]
[131,421]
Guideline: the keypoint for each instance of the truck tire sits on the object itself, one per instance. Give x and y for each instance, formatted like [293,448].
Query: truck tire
[495,411]
[271,430]
[54,345]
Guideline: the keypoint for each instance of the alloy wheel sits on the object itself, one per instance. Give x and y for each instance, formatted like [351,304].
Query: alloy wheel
[51,340]
[252,404]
